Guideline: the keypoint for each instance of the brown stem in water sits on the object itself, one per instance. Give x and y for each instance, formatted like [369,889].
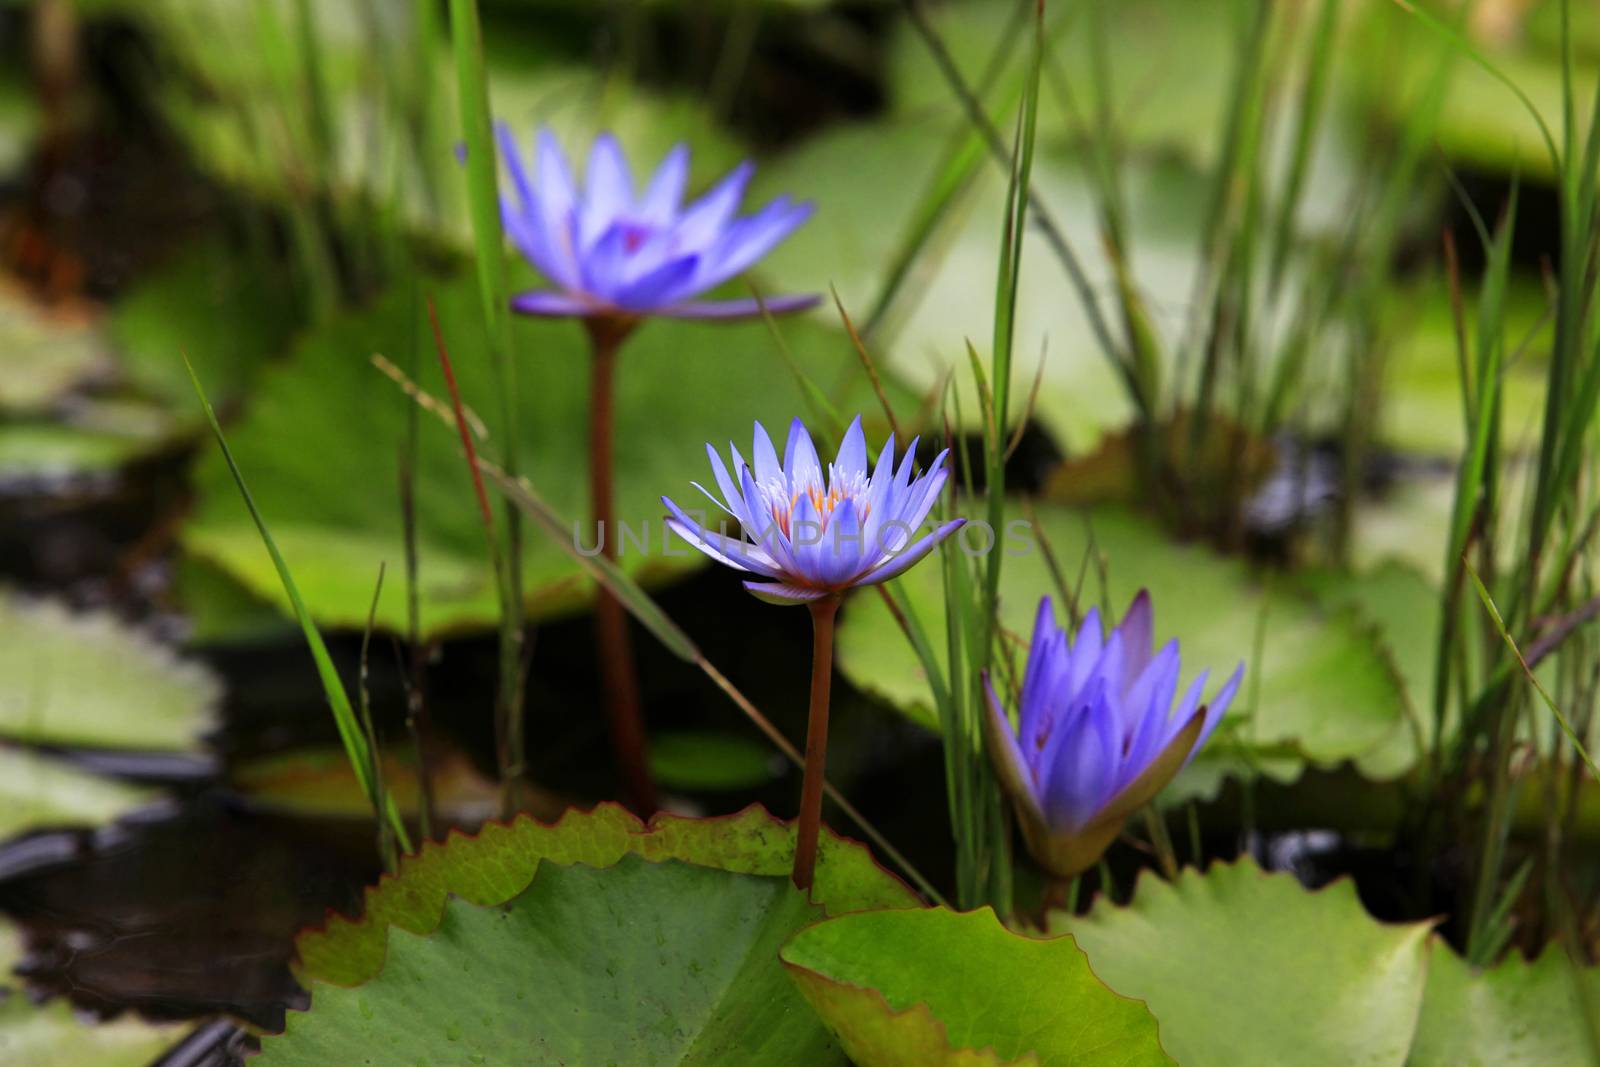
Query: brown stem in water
[805,847]
[618,677]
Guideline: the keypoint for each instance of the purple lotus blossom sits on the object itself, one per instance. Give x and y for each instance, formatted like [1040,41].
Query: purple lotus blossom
[1097,737]
[811,537]
[613,254]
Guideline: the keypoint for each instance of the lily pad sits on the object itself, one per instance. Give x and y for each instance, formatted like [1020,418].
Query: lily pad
[499,862]
[710,761]
[49,351]
[1169,59]
[51,1035]
[90,681]
[320,442]
[1242,966]
[1319,684]
[859,227]
[37,791]
[218,305]
[1421,402]
[319,782]
[1515,1014]
[934,986]
[639,962]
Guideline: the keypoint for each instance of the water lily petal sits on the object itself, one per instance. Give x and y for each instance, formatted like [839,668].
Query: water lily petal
[852,457]
[645,293]
[800,462]
[607,191]
[784,594]
[898,564]
[553,305]
[702,222]
[725,549]
[732,310]
[765,458]
[558,198]
[664,195]
[749,239]
[1218,708]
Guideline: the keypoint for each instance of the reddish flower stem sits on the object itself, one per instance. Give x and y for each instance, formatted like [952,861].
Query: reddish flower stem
[619,677]
[805,848]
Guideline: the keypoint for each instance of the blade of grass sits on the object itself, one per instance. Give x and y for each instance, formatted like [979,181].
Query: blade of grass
[344,715]
[483,196]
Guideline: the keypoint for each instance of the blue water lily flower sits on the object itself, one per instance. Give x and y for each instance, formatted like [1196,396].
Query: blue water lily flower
[614,254]
[1097,735]
[810,536]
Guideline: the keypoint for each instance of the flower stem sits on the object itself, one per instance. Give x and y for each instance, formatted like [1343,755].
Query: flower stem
[805,848]
[618,675]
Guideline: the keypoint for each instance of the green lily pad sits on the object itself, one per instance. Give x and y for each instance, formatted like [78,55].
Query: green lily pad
[217,305]
[1421,401]
[1321,688]
[49,351]
[637,962]
[934,986]
[1482,123]
[1170,61]
[88,680]
[1515,1014]
[38,791]
[1242,966]
[499,862]
[710,760]
[320,442]
[51,1035]
[950,297]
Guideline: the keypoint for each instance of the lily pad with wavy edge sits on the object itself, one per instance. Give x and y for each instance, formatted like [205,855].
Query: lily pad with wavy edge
[38,790]
[88,680]
[1325,692]
[636,962]
[1246,967]
[497,863]
[1515,1014]
[319,448]
[53,1035]
[938,987]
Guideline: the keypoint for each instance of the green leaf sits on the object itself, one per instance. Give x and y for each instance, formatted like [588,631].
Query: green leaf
[710,760]
[1516,1014]
[1325,691]
[38,791]
[1170,92]
[935,986]
[51,1035]
[1242,966]
[214,303]
[320,441]
[660,963]
[48,351]
[1421,404]
[89,680]
[499,862]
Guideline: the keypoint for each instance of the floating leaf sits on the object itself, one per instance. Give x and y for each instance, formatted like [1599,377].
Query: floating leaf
[214,303]
[319,782]
[1516,1014]
[38,791]
[49,351]
[638,962]
[500,861]
[51,1035]
[321,439]
[1325,692]
[710,760]
[1242,966]
[88,680]
[934,986]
